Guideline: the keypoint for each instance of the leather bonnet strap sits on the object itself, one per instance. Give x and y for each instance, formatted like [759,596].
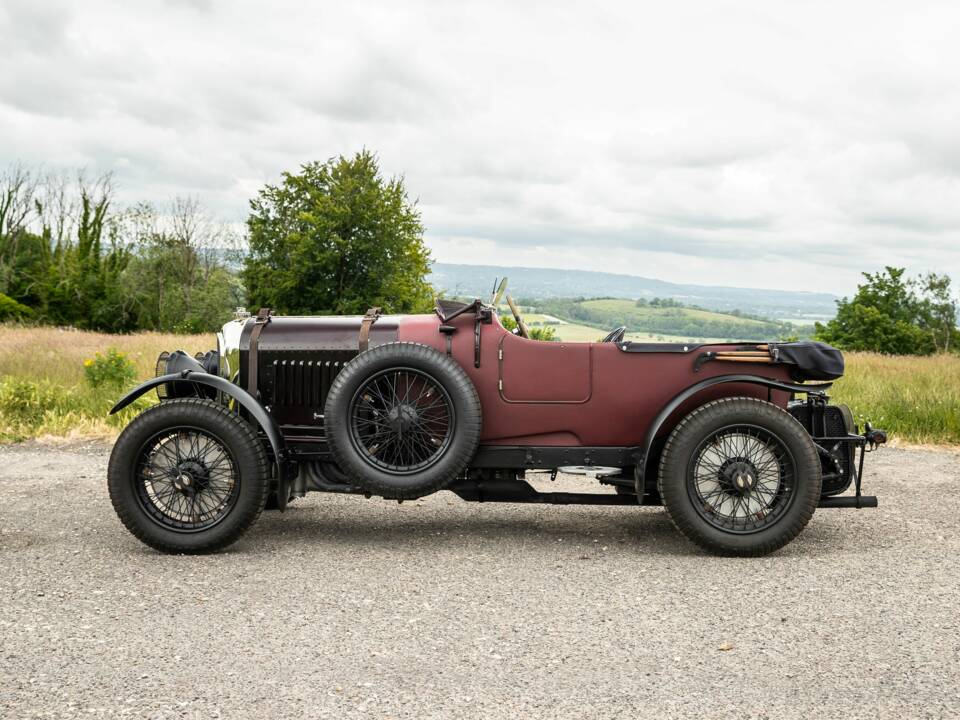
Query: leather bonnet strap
[368,320]
[263,317]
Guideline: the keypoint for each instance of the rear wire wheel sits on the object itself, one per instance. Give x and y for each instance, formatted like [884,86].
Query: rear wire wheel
[740,476]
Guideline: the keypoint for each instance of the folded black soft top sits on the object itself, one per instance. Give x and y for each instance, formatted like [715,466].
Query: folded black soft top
[809,360]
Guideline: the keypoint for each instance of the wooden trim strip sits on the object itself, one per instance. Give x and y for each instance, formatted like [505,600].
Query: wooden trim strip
[753,359]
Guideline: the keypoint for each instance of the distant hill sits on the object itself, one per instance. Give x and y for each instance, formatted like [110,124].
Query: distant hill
[541,283]
[671,320]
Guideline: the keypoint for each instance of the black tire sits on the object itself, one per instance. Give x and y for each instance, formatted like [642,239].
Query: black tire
[221,452]
[364,423]
[746,442]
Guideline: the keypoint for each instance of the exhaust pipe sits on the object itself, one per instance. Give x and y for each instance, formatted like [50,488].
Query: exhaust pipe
[864,501]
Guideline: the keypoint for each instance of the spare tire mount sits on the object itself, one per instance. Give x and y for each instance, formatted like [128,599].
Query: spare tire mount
[402,420]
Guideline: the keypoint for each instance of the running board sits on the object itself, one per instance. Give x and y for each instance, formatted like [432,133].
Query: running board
[864,501]
[519,491]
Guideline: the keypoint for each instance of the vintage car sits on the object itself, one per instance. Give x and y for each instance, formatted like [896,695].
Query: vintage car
[738,441]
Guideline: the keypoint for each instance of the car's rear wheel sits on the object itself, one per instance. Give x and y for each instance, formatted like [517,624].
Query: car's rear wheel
[402,420]
[740,476]
[188,476]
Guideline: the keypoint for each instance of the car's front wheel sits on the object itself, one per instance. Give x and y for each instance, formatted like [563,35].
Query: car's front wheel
[188,476]
[740,476]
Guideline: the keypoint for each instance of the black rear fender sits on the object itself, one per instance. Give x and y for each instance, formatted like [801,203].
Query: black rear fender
[645,465]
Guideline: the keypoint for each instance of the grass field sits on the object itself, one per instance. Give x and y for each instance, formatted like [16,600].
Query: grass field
[916,399]
[639,316]
[675,320]
[42,388]
[573,332]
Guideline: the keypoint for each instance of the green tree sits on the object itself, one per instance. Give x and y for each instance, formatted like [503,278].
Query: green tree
[10,309]
[337,238]
[72,260]
[56,253]
[177,279]
[884,316]
[938,310]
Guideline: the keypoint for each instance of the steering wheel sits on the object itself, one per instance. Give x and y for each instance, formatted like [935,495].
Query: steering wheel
[521,325]
[616,335]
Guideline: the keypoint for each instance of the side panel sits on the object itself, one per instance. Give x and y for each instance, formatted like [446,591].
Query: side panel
[627,390]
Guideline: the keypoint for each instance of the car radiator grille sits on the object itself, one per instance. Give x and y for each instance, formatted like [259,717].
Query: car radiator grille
[302,383]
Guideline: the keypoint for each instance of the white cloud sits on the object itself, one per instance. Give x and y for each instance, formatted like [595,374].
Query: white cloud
[746,143]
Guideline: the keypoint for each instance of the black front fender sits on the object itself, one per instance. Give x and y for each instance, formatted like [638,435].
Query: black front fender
[249,403]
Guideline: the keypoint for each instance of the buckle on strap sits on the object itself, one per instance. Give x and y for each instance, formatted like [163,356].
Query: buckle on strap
[368,320]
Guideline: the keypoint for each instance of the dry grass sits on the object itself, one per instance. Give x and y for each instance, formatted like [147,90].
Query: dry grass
[57,354]
[42,387]
[42,390]
[916,399]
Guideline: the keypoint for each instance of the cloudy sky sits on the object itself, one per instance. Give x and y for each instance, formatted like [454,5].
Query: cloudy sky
[759,144]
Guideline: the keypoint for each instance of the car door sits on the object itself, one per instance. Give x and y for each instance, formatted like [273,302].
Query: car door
[533,371]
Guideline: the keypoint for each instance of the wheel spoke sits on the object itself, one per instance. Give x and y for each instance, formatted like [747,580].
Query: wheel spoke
[187,480]
[741,478]
[401,420]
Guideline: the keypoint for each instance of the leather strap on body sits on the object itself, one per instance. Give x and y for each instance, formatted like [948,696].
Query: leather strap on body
[368,320]
[263,317]
[447,331]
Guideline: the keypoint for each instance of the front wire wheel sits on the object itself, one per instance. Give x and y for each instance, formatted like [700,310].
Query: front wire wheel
[740,476]
[188,476]
[187,479]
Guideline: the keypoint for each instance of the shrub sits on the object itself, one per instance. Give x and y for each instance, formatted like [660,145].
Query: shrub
[30,408]
[23,402]
[10,309]
[112,369]
[547,334]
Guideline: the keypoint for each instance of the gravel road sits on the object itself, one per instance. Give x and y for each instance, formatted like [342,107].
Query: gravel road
[345,607]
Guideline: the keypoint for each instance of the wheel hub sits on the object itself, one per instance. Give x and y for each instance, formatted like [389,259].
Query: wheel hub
[738,476]
[402,417]
[189,478]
